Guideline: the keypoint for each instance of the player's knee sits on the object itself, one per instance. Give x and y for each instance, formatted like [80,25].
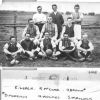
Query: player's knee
[58,53]
[36,42]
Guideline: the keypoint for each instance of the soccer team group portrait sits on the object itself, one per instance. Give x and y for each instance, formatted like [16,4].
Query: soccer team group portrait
[48,37]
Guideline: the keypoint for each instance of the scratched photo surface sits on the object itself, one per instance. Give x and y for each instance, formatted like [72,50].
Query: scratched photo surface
[48,84]
[24,9]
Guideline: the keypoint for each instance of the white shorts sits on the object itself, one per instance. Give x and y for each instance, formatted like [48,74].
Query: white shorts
[54,54]
[77,31]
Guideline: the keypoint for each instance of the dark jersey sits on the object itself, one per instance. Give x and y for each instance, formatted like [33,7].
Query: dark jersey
[31,31]
[85,44]
[66,43]
[50,28]
[70,31]
[28,45]
[47,44]
[12,47]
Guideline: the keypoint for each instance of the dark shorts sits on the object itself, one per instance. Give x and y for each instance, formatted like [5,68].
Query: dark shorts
[26,55]
[10,57]
[85,55]
[68,48]
[40,25]
[73,53]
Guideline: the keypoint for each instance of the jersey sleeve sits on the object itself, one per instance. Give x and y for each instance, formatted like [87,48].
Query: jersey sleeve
[53,44]
[72,44]
[91,46]
[79,44]
[34,18]
[19,46]
[44,18]
[5,46]
[81,15]
[41,44]
[24,32]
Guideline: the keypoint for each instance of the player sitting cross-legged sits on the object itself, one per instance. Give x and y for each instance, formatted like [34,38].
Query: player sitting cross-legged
[48,48]
[85,48]
[67,47]
[12,50]
[30,49]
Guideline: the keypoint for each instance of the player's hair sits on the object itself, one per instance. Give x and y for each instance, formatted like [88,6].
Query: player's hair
[69,18]
[49,17]
[27,33]
[29,19]
[54,5]
[85,34]
[11,37]
[39,7]
[77,5]
[46,33]
[65,34]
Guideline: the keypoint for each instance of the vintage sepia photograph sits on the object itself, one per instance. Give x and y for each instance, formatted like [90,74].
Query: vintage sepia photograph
[49,50]
[49,33]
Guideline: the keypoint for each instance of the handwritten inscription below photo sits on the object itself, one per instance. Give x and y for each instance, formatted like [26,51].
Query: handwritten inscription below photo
[49,90]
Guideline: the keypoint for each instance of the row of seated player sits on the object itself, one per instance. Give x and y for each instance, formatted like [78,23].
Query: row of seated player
[51,28]
[48,48]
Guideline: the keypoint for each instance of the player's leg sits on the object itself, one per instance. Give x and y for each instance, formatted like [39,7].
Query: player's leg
[82,56]
[17,57]
[77,31]
[41,54]
[36,41]
[88,56]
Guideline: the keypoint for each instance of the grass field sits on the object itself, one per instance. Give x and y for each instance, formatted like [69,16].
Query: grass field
[22,17]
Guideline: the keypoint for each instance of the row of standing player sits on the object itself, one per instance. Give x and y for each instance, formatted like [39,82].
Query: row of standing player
[39,19]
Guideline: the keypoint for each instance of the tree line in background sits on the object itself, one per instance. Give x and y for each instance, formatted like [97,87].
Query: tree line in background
[69,13]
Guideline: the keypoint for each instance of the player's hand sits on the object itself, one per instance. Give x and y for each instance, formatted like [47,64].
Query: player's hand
[13,54]
[85,51]
[44,54]
[73,20]
[63,47]
[32,39]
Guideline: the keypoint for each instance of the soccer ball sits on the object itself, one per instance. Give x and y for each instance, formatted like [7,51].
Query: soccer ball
[49,52]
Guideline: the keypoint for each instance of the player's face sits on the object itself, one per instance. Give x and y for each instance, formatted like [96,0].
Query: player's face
[54,8]
[85,37]
[31,23]
[46,35]
[65,36]
[27,36]
[49,19]
[69,21]
[13,40]
[39,9]
[76,9]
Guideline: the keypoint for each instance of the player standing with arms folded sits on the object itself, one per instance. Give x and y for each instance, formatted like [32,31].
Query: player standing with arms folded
[39,18]
[77,20]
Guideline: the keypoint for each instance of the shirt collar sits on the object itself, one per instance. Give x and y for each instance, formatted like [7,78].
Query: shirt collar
[55,12]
